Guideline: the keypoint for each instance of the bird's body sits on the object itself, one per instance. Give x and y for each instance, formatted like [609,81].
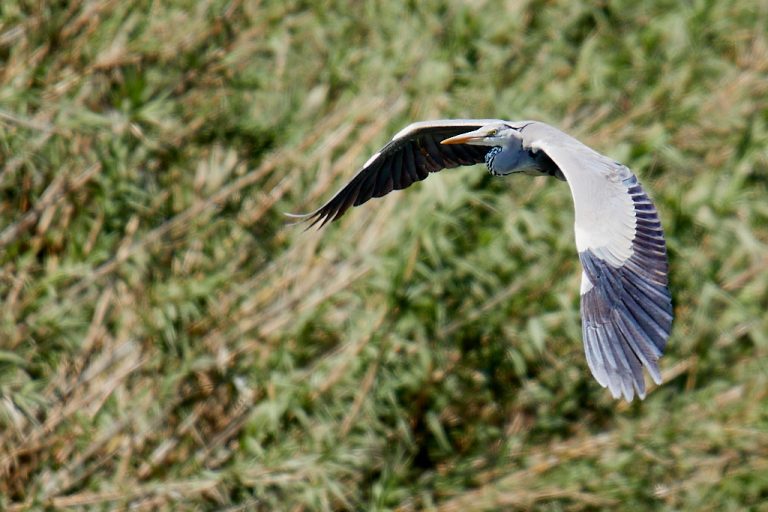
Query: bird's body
[626,306]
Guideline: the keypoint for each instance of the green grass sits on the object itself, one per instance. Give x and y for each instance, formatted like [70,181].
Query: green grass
[166,342]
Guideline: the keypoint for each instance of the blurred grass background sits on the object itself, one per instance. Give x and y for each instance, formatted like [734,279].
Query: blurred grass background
[166,342]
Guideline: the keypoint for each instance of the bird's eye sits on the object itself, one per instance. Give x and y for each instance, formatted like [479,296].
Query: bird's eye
[493,132]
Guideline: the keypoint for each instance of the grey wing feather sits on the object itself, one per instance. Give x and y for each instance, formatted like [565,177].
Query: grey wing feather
[626,307]
[627,314]
[410,156]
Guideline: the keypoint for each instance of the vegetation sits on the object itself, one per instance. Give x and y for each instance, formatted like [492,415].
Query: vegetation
[167,342]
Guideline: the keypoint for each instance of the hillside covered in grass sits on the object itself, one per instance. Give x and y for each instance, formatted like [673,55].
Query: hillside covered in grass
[168,342]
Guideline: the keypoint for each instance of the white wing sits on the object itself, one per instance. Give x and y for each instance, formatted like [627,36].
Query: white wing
[626,307]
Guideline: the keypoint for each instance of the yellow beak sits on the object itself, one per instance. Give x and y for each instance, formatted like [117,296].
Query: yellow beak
[465,138]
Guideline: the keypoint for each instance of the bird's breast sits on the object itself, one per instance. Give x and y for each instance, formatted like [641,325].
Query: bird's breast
[490,158]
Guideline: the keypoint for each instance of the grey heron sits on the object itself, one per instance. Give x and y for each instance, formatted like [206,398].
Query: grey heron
[626,307]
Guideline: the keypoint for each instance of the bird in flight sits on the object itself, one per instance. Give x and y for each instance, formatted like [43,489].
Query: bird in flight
[626,307]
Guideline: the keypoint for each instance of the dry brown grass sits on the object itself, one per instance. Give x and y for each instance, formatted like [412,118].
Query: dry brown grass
[167,342]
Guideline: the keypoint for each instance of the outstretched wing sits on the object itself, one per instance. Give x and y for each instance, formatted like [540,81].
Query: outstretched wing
[626,307]
[409,157]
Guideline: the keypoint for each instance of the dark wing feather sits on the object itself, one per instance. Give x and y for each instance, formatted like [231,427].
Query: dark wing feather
[409,157]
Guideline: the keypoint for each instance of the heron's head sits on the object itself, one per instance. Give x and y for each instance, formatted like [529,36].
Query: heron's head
[495,134]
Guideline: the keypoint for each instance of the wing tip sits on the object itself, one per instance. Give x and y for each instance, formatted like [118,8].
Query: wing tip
[621,386]
[296,218]
[620,382]
[608,368]
[311,218]
[300,216]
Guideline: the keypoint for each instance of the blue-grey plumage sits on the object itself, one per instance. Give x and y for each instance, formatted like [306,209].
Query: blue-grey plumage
[626,306]
[507,154]
[629,304]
